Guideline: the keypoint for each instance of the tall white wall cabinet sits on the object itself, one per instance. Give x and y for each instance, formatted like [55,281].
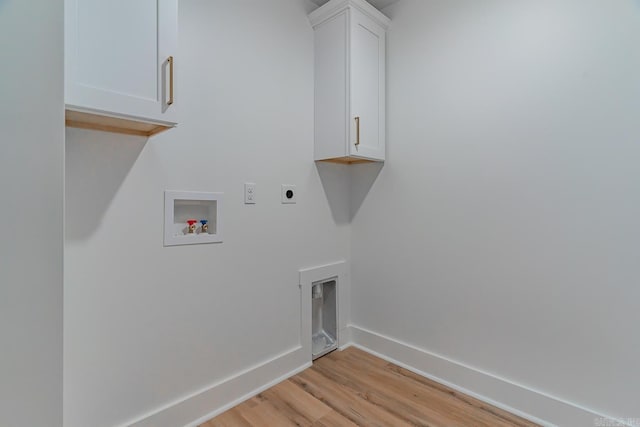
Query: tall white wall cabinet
[350,38]
[120,60]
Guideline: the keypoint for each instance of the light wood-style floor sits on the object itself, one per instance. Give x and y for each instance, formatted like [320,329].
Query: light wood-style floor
[354,388]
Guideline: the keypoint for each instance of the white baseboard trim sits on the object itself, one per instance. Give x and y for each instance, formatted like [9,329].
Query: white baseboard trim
[198,407]
[539,407]
[518,399]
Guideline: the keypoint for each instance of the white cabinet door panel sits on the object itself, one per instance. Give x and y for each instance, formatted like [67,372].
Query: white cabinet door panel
[116,57]
[367,86]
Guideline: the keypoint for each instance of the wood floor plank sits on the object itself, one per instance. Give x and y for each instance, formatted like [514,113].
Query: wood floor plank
[299,407]
[230,418]
[362,359]
[383,397]
[414,405]
[354,388]
[333,419]
[266,415]
[416,401]
[344,401]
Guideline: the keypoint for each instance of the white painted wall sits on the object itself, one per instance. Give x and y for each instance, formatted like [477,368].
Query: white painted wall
[31,184]
[503,231]
[146,325]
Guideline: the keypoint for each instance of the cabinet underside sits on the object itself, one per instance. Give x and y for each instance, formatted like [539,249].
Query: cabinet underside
[84,120]
[347,160]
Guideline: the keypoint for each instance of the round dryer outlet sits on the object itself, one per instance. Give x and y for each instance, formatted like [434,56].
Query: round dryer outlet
[289,194]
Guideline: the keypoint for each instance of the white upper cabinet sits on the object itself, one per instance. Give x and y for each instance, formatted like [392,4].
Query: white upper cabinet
[120,60]
[349,81]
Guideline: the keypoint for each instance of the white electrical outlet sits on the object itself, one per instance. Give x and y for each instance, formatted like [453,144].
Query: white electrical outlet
[249,193]
[289,194]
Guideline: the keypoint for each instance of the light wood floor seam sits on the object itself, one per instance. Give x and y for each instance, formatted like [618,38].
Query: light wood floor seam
[353,388]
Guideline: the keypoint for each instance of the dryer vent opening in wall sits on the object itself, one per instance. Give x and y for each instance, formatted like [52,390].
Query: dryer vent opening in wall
[324,320]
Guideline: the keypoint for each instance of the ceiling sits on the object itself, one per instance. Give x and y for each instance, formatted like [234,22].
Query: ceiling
[379,4]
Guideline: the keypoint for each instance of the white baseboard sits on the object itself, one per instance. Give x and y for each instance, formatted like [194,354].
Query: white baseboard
[223,395]
[539,407]
[518,399]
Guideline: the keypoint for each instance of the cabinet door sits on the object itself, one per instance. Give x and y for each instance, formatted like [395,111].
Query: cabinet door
[116,58]
[367,87]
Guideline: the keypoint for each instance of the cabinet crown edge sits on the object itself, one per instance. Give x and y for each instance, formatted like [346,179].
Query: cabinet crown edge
[334,7]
